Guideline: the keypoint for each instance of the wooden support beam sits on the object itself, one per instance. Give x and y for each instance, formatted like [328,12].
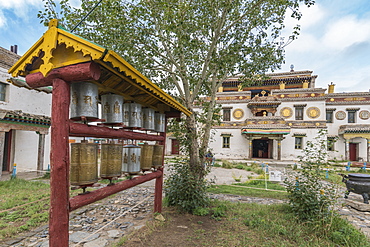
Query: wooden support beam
[77,129]
[78,72]
[59,162]
[96,195]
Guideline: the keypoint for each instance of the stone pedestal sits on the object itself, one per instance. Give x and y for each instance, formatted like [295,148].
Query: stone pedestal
[356,201]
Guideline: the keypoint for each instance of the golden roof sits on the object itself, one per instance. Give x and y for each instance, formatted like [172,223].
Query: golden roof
[59,48]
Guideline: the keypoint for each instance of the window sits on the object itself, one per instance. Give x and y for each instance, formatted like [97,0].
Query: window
[298,142]
[2,91]
[351,117]
[226,114]
[329,116]
[330,144]
[226,142]
[352,114]
[299,113]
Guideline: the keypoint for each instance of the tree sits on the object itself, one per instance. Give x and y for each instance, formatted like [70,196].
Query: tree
[188,46]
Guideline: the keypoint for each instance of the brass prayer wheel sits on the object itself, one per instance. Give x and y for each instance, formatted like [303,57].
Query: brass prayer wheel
[157,156]
[84,101]
[148,118]
[135,116]
[146,156]
[131,159]
[84,164]
[111,108]
[159,121]
[111,160]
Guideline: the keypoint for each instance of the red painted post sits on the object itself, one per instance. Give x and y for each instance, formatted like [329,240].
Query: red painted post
[77,129]
[59,163]
[158,190]
[96,195]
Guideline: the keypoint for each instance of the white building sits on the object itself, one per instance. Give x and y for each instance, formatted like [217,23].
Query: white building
[24,121]
[275,118]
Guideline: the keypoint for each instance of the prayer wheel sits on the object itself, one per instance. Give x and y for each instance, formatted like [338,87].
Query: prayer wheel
[146,157]
[84,164]
[111,105]
[148,119]
[157,156]
[131,159]
[126,113]
[135,116]
[84,101]
[159,121]
[111,160]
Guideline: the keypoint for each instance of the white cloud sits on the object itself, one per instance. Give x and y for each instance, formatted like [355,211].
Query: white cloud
[18,4]
[346,32]
[2,19]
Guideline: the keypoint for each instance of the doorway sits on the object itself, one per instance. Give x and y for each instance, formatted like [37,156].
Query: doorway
[262,148]
[353,151]
[7,151]
[175,146]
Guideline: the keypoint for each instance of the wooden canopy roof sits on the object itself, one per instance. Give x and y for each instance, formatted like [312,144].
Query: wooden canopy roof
[58,48]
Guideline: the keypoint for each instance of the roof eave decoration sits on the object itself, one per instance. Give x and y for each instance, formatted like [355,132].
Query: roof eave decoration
[53,37]
[266,131]
[59,48]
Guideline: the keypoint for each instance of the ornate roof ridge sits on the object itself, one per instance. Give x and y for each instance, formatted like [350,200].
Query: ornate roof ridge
[331,95]
[297,90]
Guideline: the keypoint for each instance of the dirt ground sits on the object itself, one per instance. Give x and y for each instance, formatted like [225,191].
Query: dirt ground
[183,230]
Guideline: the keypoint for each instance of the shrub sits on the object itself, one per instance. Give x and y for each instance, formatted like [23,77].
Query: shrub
[310,198]
[185,190]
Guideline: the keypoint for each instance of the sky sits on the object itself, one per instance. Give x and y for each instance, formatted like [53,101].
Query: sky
[334,40]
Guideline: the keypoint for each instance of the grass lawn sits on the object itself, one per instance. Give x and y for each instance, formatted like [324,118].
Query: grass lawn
[243,224]
[23,205]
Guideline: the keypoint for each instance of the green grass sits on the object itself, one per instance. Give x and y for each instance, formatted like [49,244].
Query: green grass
[261,184]
[247,224]
[275,225]
[239,190]
[17,192]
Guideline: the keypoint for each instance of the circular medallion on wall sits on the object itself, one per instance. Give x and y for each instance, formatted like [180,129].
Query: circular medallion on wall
[238,114]
[313,112]
[286,112]
[340,115]
[364,115]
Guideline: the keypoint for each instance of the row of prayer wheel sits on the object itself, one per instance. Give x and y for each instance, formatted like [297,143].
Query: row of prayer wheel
[84,103]
[115,160]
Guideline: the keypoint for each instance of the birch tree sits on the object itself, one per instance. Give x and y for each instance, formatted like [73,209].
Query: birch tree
[188,47]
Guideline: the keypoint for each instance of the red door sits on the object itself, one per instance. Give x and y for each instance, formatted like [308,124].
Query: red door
[175,146]
[353,151]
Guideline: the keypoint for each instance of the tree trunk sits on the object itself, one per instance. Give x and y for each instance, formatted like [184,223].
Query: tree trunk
[195,163]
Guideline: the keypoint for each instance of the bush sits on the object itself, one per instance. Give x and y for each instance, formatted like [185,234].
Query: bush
[310,198]
[184,190]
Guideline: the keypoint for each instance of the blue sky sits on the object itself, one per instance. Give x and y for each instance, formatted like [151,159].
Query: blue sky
[334,41]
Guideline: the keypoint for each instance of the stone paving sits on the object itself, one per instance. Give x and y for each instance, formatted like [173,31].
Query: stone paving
[104,223]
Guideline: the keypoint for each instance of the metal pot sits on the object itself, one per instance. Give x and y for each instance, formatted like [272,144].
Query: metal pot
[357,183]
